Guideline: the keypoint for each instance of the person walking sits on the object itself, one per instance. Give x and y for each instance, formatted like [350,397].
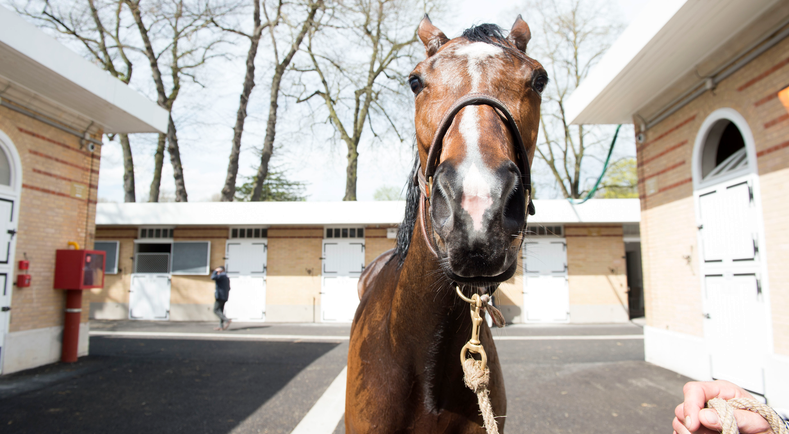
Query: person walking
[221,294]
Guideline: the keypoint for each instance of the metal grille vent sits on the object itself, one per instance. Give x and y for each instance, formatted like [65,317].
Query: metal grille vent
[152,263]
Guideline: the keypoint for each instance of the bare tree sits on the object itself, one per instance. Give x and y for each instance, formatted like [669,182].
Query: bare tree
[573,35]
[312,6]
[229,190]
[351,52]
[173,39]
[98,26]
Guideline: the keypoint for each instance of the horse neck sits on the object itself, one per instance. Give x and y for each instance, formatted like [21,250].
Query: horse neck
[425,310]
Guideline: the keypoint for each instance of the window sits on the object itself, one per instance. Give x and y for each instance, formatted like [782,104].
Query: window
[533,230]
[252,233]
[344,232]
[110,249]
[191,257]
[153,233]
[724,150]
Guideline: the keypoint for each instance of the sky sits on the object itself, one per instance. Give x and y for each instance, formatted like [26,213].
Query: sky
[320,166]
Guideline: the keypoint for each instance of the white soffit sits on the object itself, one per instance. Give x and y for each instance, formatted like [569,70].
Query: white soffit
[666,40]
[336,213]
[33,60]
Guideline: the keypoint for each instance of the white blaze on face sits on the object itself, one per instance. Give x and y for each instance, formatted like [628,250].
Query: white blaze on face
[479,183]
[477,54]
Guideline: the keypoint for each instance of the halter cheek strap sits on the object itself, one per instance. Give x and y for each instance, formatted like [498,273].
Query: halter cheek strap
[425,180]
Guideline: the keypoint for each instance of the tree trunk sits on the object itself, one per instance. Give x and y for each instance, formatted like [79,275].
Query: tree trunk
[229,190]
[175,160]
[350,178]
[158,161]
[276,81]
[271,131]
[128,169]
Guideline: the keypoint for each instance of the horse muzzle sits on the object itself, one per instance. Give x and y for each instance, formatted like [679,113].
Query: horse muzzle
[478,229]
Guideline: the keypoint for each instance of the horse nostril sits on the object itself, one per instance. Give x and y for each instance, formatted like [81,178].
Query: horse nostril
[514,212]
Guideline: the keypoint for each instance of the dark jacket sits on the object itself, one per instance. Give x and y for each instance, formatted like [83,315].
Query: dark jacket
[222,285]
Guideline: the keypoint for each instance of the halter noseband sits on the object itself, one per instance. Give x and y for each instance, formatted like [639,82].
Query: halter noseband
[425,180]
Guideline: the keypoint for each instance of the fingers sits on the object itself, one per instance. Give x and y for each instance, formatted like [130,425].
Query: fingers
[679,428]
[747,422]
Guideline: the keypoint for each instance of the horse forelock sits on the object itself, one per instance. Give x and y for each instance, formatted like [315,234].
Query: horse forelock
[490,34]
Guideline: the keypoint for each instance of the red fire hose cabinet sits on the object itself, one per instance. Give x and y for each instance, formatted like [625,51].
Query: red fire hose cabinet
[76,271]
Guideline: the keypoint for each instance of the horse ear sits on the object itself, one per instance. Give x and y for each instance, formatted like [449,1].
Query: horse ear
[520,34]
[431,36]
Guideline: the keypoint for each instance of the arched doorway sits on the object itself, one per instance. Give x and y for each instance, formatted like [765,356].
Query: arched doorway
[10,186]
[734,283]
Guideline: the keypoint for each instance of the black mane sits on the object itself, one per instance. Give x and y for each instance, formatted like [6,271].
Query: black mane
[406,230]
[487,33]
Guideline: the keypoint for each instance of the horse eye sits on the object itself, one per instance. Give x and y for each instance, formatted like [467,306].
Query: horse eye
[416,84]
[539,83]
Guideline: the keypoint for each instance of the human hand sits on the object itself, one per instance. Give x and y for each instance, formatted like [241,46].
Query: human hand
[693,418]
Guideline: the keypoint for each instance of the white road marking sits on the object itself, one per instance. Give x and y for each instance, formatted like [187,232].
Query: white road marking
[336,338]
[219,336]
[324,416]
[569,338]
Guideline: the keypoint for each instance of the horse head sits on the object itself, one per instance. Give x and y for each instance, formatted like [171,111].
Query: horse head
[477,117]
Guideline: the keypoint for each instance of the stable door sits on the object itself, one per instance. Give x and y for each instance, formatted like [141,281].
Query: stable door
[735,307]
[7,232]
[149,297]
[246,268]
[545,291]
[343,263]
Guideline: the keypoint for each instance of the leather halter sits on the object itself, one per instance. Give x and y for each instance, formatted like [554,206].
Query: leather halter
[425,180]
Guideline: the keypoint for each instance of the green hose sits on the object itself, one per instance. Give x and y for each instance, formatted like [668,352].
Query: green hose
[605,167]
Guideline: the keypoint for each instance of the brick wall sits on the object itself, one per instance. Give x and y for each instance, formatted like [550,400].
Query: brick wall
[375,243]
[57,205]
[672,292]
[596,264]
[294,272]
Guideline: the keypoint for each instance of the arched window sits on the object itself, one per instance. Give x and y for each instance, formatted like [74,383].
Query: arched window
[724,150]
[5,168]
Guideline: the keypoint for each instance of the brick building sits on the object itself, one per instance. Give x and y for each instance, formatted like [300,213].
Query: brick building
[54,108]
[701,81]
[300,261]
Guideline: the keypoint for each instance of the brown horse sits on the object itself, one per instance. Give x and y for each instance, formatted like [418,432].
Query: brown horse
[477,116]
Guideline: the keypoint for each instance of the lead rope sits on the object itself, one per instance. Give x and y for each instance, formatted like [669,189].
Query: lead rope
[476,372]
[726,409]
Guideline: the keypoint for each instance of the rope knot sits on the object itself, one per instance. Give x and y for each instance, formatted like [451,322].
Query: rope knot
[476,378]
[726,409]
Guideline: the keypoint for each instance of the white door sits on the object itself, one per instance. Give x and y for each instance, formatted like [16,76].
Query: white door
[7,232]
[546,295]
[343,263]
[246,268]
[149,297]
[735,307]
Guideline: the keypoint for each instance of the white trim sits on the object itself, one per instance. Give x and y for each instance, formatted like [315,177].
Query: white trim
[733,116]
[350,213]
[117,252]
[65,78]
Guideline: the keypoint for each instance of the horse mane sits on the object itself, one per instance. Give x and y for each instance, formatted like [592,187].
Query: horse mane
[406,230]
[489,34]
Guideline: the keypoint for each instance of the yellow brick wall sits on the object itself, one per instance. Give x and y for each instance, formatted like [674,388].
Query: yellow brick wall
[665,184]
[53,163]
[375,243]
[596,265]
[116,286]
[294,266]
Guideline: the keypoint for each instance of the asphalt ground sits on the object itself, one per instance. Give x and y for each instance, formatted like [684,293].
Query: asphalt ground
[264,378]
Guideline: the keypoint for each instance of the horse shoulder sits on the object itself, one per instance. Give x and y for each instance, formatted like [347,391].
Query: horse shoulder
[372,270]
